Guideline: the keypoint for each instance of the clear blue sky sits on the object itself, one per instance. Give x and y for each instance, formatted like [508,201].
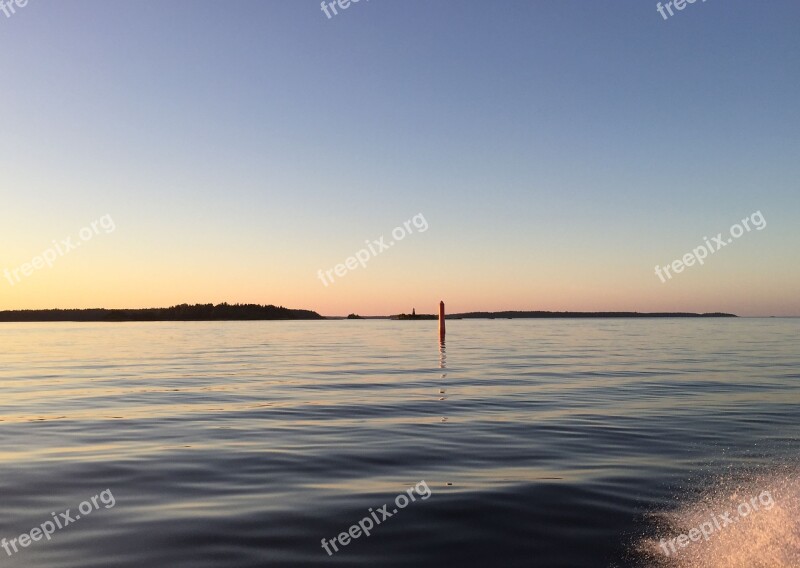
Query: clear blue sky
[559,150]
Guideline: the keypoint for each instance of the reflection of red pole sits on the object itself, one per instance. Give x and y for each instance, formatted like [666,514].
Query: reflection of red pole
[441,321]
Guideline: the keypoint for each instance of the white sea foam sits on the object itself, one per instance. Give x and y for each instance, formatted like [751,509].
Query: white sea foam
[765,538]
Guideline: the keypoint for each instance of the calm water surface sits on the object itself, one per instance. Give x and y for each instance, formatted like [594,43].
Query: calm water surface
[552,443]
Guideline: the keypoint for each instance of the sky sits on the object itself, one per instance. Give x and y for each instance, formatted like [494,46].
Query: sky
[557,151]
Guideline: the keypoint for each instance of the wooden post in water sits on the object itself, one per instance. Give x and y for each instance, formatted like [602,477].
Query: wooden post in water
[441,321]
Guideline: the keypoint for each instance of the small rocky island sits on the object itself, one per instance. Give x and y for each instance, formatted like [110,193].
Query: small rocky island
[414,316]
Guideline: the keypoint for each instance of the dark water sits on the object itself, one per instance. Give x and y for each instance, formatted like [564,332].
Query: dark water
[555,443]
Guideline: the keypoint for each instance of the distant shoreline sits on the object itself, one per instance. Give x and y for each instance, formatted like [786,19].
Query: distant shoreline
[183,312]
[550,315]
[256,312]
[559,315]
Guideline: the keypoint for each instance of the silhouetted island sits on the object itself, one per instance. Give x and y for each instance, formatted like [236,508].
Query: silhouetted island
[551,315]
[183,312]
[414,316]
[539,314]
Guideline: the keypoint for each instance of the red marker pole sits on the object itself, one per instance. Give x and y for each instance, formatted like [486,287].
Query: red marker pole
[441,321]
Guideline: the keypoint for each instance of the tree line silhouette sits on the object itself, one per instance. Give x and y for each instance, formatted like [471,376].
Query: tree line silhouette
[182,312]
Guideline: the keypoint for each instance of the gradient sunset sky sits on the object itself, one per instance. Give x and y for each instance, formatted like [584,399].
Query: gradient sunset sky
[558,150]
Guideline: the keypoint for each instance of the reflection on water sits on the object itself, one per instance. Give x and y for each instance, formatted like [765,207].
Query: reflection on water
[443,367]
[242,444]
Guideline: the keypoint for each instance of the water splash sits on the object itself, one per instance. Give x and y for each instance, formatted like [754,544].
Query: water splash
[755,535]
